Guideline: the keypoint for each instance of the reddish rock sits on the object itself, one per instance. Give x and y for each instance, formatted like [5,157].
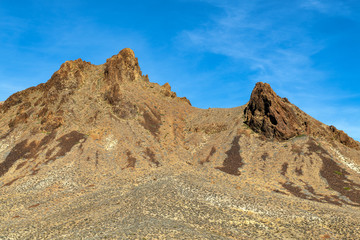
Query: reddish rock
[343,138]
[275,117]
[271,115]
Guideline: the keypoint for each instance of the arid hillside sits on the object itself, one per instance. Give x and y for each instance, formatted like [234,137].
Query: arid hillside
[99,151]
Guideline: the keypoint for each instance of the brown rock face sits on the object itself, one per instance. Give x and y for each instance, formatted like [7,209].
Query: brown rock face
[69,76]
[123,66]
[271,115]
[275,117]
[166,91]
[343,138]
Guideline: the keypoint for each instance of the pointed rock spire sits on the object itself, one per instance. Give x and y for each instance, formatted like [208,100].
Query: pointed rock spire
[270,114]
[276,117]
[122,67]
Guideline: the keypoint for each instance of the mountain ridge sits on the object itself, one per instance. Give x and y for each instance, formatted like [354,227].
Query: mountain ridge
[105,135]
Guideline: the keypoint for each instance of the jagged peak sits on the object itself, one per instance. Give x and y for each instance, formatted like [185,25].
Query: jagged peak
[70,75]
[123,67]
[271,115]
[266,113]
[262,88]
[124,53]
[166,86]
[275,117]
[72,66]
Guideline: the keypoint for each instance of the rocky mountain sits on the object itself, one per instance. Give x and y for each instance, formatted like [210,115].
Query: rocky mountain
[99,151]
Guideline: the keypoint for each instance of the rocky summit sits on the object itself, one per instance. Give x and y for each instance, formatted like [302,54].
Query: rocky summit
[100,152]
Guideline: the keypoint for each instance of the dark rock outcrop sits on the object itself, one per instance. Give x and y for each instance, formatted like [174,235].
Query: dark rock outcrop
[271,115]
[276,118]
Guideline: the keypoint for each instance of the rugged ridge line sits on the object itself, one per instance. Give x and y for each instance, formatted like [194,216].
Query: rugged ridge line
[102,147]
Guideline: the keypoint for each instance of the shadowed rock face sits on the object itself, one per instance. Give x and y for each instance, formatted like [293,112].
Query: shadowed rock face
[275,117]
[271,115]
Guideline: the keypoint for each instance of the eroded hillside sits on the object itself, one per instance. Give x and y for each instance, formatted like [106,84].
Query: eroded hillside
[100,151]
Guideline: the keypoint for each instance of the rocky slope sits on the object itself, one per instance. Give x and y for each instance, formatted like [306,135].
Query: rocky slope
[101,152]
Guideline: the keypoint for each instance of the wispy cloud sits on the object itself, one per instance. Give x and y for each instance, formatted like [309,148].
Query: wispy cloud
[333,7]
[275,40]
[278,51]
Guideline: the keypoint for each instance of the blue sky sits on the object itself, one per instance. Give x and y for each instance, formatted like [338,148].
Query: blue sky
[212,52]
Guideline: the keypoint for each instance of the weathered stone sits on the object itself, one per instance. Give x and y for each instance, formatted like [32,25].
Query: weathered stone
[343,138]
[271,115]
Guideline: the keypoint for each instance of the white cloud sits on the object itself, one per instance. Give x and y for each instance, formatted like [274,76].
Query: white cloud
[277,51]
[327,7]
[273,40]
